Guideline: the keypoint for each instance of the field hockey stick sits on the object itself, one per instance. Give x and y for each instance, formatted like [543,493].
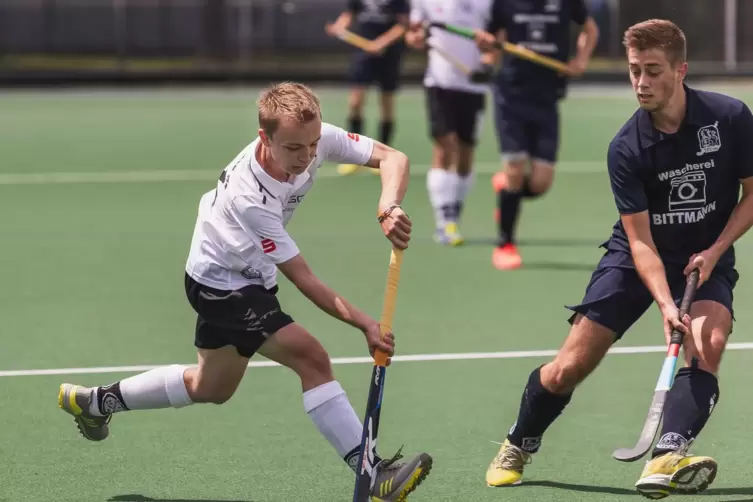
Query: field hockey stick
[459,65]
[514,49]
[365,468]
[354,39]
[666,377]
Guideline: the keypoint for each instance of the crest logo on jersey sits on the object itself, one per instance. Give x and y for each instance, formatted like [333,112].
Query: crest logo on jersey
[709,140]
[268,245]
[353,136]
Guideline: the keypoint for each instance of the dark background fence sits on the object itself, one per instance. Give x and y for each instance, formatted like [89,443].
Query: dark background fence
[63,40]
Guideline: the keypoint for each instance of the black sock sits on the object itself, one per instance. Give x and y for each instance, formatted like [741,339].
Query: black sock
[509,205]
[688,407]
[449,212]
[355,124]
[110,400]
[351,458]
[538,410]
[385,131]
[526,192]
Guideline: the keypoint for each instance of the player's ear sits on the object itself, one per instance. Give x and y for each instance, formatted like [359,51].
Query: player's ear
[682,70]
[264,138]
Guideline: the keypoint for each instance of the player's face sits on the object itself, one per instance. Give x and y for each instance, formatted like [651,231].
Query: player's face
[655,79]
[293,145]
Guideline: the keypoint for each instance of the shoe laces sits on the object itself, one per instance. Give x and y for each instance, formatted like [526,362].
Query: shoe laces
[390,463]
[511,458]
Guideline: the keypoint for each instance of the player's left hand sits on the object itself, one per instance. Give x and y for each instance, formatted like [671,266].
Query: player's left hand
[397,228]
[485,41]
[704,262]
[375,48]
[577,66]
[376,341]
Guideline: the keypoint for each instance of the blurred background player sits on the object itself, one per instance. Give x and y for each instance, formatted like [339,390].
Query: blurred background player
[455,101]
[526,99]
[385,23]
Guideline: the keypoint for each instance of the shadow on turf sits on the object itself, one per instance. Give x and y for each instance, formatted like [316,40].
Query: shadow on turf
[141,498]
[624,491]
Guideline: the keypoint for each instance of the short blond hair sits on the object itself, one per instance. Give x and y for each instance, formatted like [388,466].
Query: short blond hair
[287,100]
[657,34]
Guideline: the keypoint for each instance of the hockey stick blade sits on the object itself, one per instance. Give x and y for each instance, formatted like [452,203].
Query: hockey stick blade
[663,384]
[648,434]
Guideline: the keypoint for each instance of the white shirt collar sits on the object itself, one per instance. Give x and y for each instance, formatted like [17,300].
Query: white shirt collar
[272,186]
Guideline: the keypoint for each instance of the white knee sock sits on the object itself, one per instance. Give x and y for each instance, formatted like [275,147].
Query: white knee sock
[331,412]
[443,186]
[159,388]
[465,183]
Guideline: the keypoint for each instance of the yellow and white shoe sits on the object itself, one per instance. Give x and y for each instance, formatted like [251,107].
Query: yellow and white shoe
[348,169]
[676,472]
[452,232]
[507,467]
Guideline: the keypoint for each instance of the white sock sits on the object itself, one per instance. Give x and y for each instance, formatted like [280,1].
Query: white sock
[442,187]
[331,412]
[465,183]
[159,388]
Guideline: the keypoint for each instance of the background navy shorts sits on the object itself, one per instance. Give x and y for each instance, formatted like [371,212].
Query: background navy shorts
[383,70]
[527,128]
[244,318]
[616,296]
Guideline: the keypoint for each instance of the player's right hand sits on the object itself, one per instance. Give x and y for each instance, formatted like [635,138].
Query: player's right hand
[375,341]
[331,29]
[485,40]
[672,321]
[416,39]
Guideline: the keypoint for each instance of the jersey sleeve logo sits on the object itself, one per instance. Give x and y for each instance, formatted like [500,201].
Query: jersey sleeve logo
[268,246]
[353,136]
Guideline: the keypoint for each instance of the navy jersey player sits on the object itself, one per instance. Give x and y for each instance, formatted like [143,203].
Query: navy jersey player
[384,22]
[526,97]
[676,169]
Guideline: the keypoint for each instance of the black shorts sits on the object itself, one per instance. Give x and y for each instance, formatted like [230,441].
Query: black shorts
[616,296]
[453,111]
[244,318]
[526,128]
[384,70]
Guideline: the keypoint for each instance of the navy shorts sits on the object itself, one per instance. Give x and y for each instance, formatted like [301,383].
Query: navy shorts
[616,296]
[454,111]
[527,128]
[244,318]
[384,70]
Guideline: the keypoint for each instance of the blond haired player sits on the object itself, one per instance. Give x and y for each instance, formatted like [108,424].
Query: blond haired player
[238,245]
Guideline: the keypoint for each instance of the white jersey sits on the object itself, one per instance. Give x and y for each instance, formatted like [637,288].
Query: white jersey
[467,13]
[240,235]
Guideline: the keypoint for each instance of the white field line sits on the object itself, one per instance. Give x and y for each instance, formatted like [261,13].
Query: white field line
[523,354]
[326,171]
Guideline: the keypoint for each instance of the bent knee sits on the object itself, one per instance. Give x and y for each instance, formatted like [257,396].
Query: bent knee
[561,377]
[201,392]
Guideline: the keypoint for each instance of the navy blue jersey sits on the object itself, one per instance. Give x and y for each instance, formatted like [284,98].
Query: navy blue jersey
[374,17]
[544,27]
[689,181]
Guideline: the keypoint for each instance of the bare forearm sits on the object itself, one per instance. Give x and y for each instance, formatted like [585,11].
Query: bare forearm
[395,170]
[344,21]
[587,40]
[391,36]
[330,302]
[651,271]
[739,223]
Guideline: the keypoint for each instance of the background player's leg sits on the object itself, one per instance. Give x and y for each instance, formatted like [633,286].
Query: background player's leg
[387,111]
[466,175]
[468,119]
[361,75]
[441,180]
[540,179]
[324,400]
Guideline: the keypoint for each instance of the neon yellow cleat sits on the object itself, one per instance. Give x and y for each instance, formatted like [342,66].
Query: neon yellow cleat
[452,232]
[507,467]
[676,472]
[347,169]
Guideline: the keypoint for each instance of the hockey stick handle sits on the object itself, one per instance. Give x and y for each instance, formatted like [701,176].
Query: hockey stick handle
[687,301]
[390,299]
[514,49]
